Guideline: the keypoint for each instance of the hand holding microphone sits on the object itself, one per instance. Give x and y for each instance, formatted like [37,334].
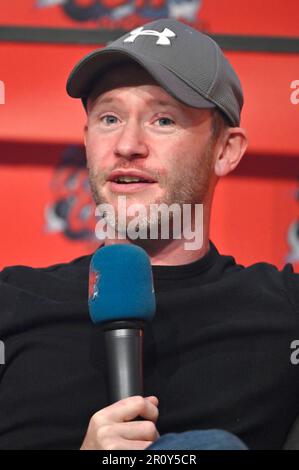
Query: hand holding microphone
[121,300]
[114,428]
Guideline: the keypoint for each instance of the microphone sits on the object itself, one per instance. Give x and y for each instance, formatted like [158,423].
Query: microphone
[121,300]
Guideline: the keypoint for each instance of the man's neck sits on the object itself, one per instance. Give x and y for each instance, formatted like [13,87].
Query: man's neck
[167,252]
[172,252]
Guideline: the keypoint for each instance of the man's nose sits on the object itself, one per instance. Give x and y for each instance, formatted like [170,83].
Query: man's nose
[131,142]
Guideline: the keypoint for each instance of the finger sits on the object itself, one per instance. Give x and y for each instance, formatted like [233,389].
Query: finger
[135,430]
[154,400]
[127,410]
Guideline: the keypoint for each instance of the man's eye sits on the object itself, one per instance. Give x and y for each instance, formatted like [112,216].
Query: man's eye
[109,119]
[164,121]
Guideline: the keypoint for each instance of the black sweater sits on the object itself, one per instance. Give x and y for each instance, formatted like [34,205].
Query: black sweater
[217,353]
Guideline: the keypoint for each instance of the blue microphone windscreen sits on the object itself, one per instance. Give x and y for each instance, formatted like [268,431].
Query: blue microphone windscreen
[121,284]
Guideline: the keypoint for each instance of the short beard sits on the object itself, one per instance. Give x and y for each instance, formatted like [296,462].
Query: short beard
[192,187]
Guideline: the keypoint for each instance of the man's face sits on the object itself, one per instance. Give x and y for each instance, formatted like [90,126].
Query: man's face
[136,128]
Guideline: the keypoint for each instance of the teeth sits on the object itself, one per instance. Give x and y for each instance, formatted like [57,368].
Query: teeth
[128,179]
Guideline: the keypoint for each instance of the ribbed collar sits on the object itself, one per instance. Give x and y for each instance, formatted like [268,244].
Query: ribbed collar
[184,271]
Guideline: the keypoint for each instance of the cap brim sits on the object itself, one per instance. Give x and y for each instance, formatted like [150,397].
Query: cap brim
[89,70]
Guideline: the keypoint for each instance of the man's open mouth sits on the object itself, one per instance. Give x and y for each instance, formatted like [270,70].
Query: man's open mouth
[129,180]
[126,182]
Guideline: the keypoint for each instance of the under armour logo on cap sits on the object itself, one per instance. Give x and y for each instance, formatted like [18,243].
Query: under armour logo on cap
[163,36]
[191,67]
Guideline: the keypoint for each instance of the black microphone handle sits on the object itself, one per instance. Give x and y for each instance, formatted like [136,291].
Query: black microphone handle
[124,355]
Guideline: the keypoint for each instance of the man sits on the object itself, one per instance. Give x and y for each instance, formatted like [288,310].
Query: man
[163,125]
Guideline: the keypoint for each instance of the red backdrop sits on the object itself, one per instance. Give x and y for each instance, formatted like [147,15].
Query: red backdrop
[45,211]
[267,17]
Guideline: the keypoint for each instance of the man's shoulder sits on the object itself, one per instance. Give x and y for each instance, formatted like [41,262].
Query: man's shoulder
[21,275]
[266,270]
[56,282]
[28,294]
[259,269]
[266,278]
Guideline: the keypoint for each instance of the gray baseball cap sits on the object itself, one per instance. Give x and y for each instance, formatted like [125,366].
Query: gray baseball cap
[188,64]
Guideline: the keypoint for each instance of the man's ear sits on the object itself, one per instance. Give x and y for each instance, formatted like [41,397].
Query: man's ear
[230,151]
